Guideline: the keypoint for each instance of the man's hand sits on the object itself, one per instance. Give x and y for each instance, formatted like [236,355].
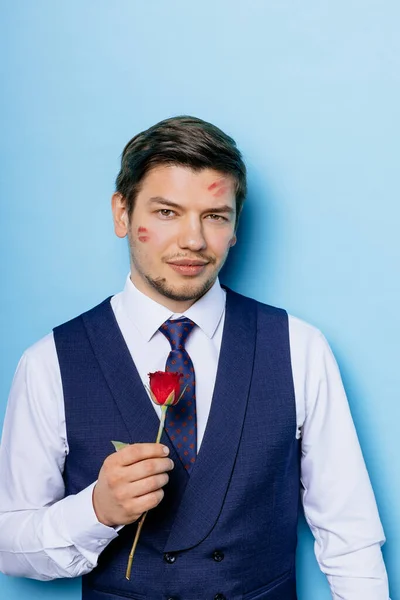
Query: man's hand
[130,483]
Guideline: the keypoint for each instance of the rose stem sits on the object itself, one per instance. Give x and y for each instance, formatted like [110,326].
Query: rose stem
[142,518]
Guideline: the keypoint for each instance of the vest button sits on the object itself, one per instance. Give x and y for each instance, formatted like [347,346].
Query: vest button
[219,597]
[169,557]
[218,556]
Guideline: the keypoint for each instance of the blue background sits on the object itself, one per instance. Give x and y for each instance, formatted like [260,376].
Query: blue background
[311,93]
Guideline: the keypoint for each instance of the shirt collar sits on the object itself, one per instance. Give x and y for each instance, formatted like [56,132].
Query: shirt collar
[148,315]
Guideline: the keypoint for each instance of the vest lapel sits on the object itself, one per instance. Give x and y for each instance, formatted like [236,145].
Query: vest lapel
[205,491]
[128,391]
[121,374]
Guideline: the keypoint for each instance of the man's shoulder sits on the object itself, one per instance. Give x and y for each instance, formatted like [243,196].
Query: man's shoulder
[76,323]
[261,307]
[299,329]
[41,349]
[39,360]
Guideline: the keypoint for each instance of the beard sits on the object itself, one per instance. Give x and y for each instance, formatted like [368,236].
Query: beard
[187,291]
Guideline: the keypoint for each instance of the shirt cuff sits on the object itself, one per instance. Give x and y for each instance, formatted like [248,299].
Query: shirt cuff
[84,530]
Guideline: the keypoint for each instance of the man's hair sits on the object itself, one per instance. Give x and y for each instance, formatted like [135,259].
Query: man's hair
[184,141]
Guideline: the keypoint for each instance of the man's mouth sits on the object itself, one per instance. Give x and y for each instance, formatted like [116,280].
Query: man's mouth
[188,266]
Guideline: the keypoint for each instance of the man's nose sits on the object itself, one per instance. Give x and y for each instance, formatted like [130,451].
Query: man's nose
[191,235]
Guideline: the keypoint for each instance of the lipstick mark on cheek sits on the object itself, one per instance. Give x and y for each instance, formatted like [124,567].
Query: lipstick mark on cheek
[143,238]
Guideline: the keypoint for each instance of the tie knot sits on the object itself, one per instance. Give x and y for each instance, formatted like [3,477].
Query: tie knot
[177,332]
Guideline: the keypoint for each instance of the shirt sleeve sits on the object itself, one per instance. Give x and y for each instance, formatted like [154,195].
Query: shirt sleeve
[43,535]
[338,500]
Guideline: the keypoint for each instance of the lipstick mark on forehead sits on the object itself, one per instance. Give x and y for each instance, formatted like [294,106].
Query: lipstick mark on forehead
[219,187]
[220,191]
[143,238]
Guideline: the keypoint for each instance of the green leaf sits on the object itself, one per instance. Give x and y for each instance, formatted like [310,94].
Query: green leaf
[119,445]
[182,392]
[170,400]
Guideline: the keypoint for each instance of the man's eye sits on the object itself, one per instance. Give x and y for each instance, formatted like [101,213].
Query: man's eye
[166,212]
[215,217]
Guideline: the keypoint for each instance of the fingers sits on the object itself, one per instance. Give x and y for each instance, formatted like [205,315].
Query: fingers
[130,482]
[147,469]
[148,485]
[144,487]
[137,452]
[144,503]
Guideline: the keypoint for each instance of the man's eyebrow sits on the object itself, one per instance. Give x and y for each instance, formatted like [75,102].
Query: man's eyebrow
[161,200]
[221,209]
[225,208]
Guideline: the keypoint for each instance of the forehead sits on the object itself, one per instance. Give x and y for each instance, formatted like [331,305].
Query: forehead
[176,182]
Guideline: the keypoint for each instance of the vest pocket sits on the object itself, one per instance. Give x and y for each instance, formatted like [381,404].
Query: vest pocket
[264,591]
[102,593]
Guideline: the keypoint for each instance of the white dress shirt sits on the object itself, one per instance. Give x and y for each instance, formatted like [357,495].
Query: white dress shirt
[45,535]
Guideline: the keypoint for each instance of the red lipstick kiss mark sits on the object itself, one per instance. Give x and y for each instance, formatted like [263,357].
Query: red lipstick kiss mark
[220,191]
[219,186]
[143,238]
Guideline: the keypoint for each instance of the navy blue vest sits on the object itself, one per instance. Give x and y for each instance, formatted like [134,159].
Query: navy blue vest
[227,531]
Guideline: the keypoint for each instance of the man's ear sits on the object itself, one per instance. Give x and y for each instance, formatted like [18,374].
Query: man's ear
[120,215]
[232,241]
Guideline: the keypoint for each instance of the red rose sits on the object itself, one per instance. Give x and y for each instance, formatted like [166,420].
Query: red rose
[164,390]
[165,387]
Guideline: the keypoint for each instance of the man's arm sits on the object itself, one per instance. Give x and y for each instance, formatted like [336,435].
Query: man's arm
[42,534]
[338,500]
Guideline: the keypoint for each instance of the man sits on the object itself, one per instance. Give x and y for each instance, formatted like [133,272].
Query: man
[264,411]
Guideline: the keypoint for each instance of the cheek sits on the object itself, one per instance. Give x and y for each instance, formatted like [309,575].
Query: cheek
[159,238]
[221,244]
[143,234]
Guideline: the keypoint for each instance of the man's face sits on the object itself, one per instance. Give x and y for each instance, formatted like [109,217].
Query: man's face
[180,232]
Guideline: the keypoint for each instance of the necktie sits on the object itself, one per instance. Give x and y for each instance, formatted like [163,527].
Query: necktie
[180,421]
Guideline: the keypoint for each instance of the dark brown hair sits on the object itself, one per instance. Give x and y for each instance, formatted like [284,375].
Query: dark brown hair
[185,141]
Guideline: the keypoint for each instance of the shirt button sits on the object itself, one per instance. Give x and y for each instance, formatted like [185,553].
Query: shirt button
[219,597]
[169,557]
[218,556]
